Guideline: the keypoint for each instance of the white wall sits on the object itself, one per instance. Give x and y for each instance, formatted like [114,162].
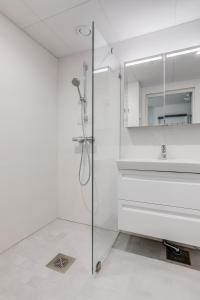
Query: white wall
[28,83]
[74,200]
[182,141]
[162,41]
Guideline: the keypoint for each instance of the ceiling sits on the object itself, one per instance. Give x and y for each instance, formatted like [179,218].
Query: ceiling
[53,22]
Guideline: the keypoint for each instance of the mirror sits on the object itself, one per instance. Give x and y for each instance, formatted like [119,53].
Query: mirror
[163,90]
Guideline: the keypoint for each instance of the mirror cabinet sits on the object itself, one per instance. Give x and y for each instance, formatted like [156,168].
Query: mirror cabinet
[163,89]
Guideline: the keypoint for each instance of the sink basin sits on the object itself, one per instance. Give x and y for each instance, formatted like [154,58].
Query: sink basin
[168,165]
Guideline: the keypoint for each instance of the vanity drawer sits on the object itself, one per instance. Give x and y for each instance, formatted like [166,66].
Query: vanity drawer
[163,222]
[162,192]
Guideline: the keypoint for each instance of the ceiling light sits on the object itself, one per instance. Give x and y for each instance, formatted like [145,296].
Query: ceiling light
[142,61]
[83,30]
[184,52]
[101,70]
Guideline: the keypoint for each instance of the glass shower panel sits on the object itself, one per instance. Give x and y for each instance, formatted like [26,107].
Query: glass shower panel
[106,130]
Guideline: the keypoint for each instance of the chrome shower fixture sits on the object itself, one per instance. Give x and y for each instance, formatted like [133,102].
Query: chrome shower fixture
[76,83]
[83,140]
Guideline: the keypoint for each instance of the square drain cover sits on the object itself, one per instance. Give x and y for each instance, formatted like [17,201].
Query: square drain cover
[61,263]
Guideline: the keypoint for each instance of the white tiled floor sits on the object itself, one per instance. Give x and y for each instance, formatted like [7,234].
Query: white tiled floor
[23,274]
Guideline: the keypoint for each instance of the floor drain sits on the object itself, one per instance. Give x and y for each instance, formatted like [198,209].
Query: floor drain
[181,257]
[61,263]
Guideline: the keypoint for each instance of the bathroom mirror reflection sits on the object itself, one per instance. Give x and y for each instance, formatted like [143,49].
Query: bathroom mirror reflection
[177,108]
[163,90]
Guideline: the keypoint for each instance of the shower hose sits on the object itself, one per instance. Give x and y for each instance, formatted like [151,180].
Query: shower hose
[84,146]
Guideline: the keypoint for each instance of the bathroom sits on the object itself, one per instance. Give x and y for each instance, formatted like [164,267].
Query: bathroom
[99,156]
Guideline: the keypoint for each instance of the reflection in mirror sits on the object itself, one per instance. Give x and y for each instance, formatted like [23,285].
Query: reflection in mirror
[177,108]
[183,80]
[141,77]
[155,109]
[163,90]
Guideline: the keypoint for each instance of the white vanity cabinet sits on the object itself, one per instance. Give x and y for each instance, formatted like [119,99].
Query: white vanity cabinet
[159,204]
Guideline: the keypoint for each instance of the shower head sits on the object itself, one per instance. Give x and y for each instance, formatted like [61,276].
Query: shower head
[76,82]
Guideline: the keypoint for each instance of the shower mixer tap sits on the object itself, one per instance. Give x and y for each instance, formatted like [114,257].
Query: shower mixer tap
[82,139]
[163,151]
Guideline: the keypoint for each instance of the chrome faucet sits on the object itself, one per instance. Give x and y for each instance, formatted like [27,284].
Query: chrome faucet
[163,151]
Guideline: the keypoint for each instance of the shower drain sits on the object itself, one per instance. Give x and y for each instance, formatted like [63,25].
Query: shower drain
[61,263]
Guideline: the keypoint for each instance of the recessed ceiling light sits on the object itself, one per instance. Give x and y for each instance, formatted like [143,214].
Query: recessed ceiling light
[83,30]
[142,61]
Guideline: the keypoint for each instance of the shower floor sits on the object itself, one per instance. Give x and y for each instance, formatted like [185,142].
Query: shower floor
[24,275]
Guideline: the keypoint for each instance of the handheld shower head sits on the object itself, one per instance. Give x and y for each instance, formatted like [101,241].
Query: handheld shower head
[76,82]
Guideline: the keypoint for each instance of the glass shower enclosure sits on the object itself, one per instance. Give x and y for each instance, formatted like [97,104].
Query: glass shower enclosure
[105,148]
